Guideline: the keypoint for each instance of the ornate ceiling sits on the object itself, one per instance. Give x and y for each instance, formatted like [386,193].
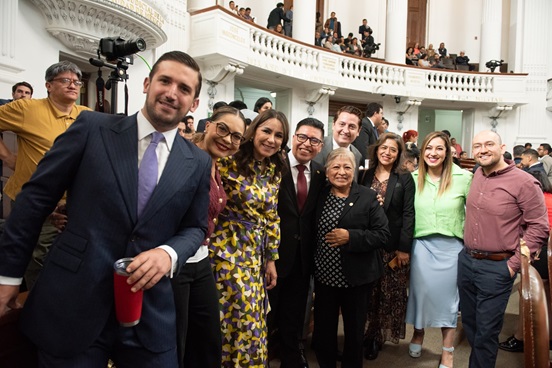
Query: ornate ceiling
[80,24]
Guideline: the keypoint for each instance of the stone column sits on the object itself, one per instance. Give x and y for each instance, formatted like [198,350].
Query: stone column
[491,30]
[304,14]
[8,26]
[395,32]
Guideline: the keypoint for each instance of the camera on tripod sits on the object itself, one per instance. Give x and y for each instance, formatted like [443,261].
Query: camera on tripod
[119,52]
[117,48]
[371,49]
[493,64]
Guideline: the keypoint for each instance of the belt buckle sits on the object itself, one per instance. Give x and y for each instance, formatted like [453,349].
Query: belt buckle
[478,254]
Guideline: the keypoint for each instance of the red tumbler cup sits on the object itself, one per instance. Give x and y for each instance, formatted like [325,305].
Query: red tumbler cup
[128,305]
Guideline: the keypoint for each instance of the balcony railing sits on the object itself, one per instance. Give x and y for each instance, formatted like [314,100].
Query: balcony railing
[217,32]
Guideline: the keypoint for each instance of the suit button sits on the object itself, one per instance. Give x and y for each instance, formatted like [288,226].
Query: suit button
[133,238]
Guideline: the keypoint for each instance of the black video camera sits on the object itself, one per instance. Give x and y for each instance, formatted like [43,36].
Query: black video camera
[493,64]
[117,48]
[371,49]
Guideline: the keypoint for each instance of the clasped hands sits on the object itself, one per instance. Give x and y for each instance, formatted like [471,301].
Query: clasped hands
[337,237]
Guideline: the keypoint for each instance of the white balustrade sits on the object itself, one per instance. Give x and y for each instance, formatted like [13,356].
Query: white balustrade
[271,51]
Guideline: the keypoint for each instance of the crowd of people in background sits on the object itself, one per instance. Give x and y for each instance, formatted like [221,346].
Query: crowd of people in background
[236,222]
[430,58]
[329,35]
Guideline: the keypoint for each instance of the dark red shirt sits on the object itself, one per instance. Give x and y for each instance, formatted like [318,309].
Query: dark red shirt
[217,201]
[502,207]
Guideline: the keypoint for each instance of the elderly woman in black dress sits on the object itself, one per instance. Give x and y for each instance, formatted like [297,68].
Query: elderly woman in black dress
[352,227]
[388,300]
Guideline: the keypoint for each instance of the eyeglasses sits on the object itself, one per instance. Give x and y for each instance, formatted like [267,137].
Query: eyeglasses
[302,138]
[223,131]
[67,82]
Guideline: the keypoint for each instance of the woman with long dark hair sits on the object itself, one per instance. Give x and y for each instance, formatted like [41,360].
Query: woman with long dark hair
[245,242]
[262,105]
[387,303]
[195,294]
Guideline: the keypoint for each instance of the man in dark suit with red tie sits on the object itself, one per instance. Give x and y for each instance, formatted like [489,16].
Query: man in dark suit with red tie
[113,211]
[296,204]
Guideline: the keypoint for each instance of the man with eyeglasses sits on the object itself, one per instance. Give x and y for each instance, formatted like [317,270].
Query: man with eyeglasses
[503,204]
[296,206]
[37,123]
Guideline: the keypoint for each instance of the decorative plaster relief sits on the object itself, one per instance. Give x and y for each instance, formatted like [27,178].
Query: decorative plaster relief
[79,24]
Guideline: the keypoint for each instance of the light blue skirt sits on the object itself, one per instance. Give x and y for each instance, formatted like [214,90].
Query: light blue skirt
[433,297]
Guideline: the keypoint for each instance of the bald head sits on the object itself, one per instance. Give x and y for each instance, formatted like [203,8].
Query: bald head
[488,150]
[488,134]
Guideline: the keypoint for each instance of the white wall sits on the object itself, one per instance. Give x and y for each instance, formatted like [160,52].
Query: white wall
[457,24]
[35,50]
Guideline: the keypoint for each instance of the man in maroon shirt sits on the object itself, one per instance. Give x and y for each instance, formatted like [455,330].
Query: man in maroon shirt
[503,202]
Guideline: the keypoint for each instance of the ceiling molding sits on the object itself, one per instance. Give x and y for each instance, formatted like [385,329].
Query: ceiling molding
[80,24]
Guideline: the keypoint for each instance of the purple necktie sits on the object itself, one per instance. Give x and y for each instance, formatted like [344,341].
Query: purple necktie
[147,174]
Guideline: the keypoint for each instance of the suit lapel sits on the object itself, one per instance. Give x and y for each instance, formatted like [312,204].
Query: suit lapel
[328,147]
[178,170]
[289,186]
[317,178]
[351,200]
[121,145]
[393,178]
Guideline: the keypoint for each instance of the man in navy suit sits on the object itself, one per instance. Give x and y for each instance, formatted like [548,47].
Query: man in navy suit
[69,314]
[368,134]
[288,299]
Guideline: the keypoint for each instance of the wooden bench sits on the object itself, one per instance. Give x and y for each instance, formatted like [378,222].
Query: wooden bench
[467,163]
[534,309]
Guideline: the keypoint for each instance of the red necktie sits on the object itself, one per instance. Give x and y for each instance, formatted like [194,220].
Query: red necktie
[301,186]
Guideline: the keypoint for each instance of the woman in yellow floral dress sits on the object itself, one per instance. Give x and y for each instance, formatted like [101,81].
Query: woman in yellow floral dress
[245,242]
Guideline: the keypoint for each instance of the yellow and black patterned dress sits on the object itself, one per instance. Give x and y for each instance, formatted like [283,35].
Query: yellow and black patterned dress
[246,235]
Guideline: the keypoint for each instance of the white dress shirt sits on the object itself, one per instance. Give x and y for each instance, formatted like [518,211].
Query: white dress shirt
[145,130]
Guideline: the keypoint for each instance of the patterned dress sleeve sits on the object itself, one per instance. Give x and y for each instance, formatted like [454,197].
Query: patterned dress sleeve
[273,223]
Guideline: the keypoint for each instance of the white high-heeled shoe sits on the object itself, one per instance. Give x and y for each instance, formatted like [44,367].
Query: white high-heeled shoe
[450,350]
[415,350]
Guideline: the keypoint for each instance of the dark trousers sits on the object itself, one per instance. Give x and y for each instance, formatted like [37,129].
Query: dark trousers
[288,300]
[199,339]
[485,287]
[353,302]
[117,343]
